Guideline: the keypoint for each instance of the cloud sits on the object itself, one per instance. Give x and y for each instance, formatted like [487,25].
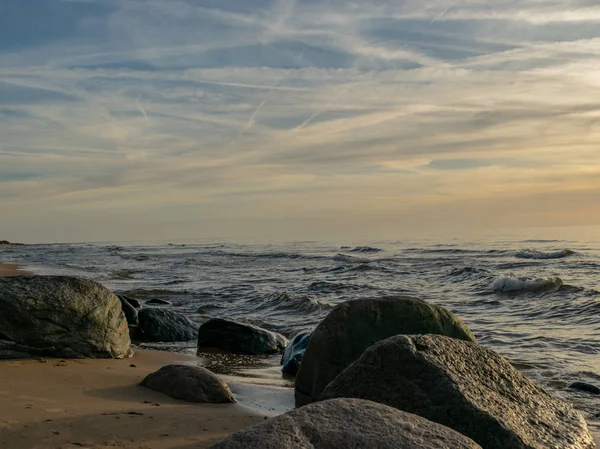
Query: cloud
[284,106]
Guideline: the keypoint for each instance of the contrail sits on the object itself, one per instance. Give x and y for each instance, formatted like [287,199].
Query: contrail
[325,109]
[252,120]
[441,15]
[141,109]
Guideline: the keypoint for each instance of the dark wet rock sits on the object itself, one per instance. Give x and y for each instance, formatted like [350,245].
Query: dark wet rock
[189,383]
[134,302]
[166,325]
[583,386]
[135,333]
[59,316]
[466,387]
[131,313]
[294,353]
[239,338]
[353,326]
[158,302]
[347,423]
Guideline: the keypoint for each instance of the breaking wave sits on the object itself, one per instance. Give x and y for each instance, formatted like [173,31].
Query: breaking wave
[365,249]
[517,284]
[534,254]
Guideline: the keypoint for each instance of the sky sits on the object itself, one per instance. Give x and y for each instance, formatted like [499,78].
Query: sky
[296,119]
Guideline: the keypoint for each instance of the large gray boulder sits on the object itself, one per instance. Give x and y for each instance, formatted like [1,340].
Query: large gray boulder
[189,383]
[353,326]
[58,316]
[158,324]
[347,423]
[466,387]
[239,338]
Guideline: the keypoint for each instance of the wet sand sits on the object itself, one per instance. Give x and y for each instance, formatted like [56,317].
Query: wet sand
[53,403]
[9,269]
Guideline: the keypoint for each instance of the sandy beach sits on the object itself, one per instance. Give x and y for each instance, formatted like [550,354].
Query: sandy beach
[55,404]
[51,403]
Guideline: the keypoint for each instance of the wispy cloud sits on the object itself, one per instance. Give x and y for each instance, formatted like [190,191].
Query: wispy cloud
[392,108]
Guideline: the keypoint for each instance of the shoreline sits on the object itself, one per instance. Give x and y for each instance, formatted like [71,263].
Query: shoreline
[97,403]
[12,269]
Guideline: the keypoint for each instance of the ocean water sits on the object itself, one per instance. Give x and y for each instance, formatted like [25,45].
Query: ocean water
[534,300]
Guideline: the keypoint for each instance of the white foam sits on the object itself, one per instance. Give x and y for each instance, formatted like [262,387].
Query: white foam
[350,259]
[513,284]
[534,254]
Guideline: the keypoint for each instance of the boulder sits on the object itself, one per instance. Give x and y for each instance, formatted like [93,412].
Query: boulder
[294,353]
[466,387]
[131,313]
[59,316]
[158,302]
[189,383]
[352,327]
[584,386]
[134,302]
[239,338]
[166,325]
[347,423]
[135,333]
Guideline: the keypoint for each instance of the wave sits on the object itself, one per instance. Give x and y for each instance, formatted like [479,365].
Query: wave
[124,274]
[516,265]
[365,249]
[443,251]
[137,292]
[291,302]
[517,284]
[534,254]
[542,241]
[349,259]
[468,271]
[260,255]
[136,257]
[206,308]
[331,287]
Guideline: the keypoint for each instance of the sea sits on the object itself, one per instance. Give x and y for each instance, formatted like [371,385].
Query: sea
[533,296]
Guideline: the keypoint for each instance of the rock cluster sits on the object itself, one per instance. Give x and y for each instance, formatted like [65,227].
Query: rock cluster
[352,327]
